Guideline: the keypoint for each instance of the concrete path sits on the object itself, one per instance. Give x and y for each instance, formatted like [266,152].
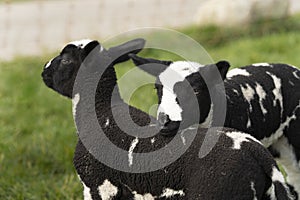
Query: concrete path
[37,27]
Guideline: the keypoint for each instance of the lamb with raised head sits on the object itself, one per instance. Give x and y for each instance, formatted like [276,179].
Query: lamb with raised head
[238,167]
[262,99]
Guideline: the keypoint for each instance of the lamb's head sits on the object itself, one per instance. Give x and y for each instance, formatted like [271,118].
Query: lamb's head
[60,72]
[177,84]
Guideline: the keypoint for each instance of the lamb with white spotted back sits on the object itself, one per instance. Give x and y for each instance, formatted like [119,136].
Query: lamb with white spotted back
[262,99]
[238,167]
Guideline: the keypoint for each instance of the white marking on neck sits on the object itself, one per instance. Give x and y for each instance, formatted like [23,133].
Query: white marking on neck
[130,151]
[248,94]
[208,121]
[81,43]
[238,138]
[49,63]
[75,101]
[261,64]
[107,190]
[168,193]
[262,96]
[176,72]
[236,72]
[253,189]
[86,191]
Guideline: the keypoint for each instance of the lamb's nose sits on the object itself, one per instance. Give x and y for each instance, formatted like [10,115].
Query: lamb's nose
[163,119]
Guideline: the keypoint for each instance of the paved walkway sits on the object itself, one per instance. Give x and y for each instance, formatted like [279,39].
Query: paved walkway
[36,27]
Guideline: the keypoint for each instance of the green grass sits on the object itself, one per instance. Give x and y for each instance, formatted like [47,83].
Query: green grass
[37,134]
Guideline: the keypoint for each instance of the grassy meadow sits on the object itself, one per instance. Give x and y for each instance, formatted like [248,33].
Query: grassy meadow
[37,133]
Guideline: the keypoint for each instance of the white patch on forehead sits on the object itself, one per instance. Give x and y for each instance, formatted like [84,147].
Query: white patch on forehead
[237,71]
[248,93]
[261,64]
[107,190]
[262,96]
[75,101]
[130,151]
[277,91]
[81,43]
[49,63]
[253,189]
[168,193]
[238,138]
[176,72]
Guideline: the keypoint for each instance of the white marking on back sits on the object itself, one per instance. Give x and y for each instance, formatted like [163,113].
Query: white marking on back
[176,72]
[236,72]
[130,151]
[277,91]
[238,138]
[75,101]
[296,75]
[262,96]
[248,93]
[261,64]
[168,193]
[253,189]
[49,63]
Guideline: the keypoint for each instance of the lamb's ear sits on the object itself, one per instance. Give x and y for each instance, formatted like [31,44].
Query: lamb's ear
[223,67]
[89,47]
[120,53]
[150,65]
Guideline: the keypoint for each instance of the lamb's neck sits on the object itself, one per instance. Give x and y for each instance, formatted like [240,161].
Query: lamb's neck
[108,92]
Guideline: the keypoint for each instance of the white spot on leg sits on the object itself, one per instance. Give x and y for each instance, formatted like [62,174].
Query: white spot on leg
[130,151]
[143,197]
[254,191]
[75,101]
[238,138]
[236,72]
[289,162]
[168,193]
[107,190]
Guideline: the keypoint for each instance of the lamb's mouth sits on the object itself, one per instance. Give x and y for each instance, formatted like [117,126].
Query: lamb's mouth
[170,128]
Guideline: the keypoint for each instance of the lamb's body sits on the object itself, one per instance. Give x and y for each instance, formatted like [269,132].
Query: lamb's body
[262,100]
[268,96]
[238,167]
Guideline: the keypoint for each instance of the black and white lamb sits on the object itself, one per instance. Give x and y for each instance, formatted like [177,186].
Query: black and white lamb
[238,167]
[262,99]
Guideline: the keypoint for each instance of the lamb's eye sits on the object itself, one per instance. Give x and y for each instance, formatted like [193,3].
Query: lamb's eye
[65,61]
